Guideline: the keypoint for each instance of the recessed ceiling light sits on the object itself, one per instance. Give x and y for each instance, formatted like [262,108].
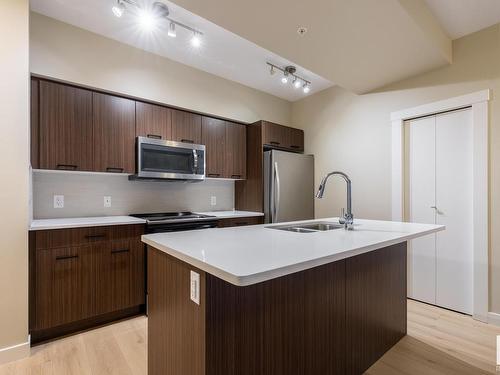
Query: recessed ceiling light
[302,30]
[171,30]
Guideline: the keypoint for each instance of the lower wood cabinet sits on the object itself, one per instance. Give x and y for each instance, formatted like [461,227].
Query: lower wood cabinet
[83,277]
[240,221]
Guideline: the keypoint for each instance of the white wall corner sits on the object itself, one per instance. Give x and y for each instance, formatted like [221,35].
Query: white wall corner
[397,171]
[15,352]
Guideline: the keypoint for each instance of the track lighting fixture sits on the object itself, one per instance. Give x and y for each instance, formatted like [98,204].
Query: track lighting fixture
[289,73]
[171,30]
[149,17]
[195,40]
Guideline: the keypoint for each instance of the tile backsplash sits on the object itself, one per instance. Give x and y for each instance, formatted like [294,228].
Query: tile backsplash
[84,195]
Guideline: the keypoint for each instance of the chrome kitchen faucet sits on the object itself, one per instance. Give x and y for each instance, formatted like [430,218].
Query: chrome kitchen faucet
[347,218]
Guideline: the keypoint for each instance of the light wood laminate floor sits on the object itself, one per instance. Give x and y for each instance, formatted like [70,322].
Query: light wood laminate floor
[438,342]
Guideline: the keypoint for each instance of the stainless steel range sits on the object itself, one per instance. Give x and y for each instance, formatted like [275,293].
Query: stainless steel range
[176,221]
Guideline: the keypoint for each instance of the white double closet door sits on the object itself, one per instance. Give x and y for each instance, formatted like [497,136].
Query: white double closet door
[439,188]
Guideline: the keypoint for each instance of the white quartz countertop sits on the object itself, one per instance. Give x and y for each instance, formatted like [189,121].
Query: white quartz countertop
[231,214]
[79,222]
[252,254]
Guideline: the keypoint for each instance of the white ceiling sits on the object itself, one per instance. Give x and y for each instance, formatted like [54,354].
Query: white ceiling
[462,17]
[222,53]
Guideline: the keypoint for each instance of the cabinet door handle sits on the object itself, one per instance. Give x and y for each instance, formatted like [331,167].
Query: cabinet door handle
[187,140]
[65,257]
[295,146]
[241,223]
[236,176]
[67,166]
[275,143]
[154,136]
[118,251]
[213,174]
[90,236]
[114,169]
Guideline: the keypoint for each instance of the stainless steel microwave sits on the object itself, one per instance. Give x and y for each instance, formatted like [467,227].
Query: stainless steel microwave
[169,160]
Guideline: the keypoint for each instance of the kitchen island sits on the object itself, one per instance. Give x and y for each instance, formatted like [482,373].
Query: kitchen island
[260,301]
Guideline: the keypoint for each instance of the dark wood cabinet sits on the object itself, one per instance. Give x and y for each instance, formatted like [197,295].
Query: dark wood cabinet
[284,137]
[65,132]
[114,133]
[186,127]
[213,136]
[63,286]
[119,275]
[153,121]
[35,123]
[236,151]
[240,221]
[83,277]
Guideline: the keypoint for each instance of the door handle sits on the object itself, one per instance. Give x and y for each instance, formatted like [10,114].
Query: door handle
[71,167]
[114,169]
[154,136]
[187,140]
[277,192]
[120,251]
[195,163]
[64,257]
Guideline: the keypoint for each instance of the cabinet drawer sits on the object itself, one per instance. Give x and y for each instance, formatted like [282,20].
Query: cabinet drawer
[240,221]
[55,238]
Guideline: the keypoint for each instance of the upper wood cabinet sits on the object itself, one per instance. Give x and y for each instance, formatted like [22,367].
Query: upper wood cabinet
[65,132]
[153,121]
[186,127]
[236,151]
[284,137]
[213,136]
[114,134]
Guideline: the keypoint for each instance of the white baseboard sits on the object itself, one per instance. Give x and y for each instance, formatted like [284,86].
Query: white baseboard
[15,352]
[494,318]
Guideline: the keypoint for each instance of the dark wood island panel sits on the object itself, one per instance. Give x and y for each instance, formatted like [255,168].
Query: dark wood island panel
[338,318]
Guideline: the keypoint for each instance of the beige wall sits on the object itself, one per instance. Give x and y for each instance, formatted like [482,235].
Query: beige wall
[15,171]
[72,54]
[353,133]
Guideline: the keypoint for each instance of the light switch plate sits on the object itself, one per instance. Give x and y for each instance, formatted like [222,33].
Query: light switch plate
[107,201]
[213,200]
[58,201]
[195,287]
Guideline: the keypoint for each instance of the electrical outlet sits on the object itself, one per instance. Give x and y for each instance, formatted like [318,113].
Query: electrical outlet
[58,201]
[107,201]
[195,287]
[213,200]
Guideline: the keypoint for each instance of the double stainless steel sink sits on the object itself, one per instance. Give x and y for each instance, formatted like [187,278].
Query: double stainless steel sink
[310,227]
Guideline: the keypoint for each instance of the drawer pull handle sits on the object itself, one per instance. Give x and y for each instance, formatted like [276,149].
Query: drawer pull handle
[114,169]
[67,166]
[154,136]
[213,174]
[275,143]
[119,251]
[236,176]
[241,223]
[295,146]
[90,236]
[65,257]
[187,141]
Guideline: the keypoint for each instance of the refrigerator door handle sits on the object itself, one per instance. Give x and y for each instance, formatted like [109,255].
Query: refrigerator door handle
[277,192]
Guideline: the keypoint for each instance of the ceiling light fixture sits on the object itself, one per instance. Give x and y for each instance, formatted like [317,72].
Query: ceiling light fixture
[196,40]
[119,8]
[149,17]
[171,30]
[289,71]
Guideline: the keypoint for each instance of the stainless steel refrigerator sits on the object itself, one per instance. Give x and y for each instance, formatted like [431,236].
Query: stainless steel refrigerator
[288,186]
